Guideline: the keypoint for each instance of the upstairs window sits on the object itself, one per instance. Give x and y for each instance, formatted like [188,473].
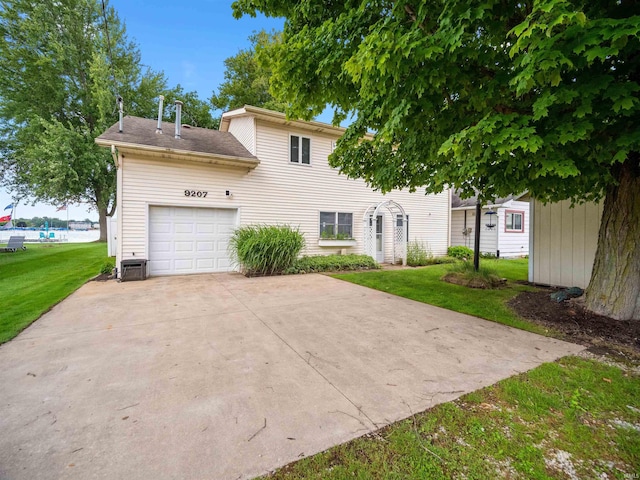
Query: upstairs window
[514,221]
[336,225]
[299,149]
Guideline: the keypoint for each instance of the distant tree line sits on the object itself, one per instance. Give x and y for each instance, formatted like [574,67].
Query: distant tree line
[38,222]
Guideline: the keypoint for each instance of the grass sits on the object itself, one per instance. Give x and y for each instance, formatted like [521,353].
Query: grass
[34,280]
[518,428]
[425,285]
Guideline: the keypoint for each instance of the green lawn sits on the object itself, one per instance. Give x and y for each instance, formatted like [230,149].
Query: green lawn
[424,285]
[34,280]
[574,416]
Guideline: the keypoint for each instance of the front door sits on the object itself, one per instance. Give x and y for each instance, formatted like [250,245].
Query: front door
[379,239]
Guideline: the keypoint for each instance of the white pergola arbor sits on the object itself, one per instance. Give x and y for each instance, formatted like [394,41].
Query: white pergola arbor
[400,224]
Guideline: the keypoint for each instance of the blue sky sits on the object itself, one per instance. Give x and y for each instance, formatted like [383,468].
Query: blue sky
[189,42]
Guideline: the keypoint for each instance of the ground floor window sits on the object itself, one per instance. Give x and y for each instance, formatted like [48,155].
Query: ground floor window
[514,221]
[336,225]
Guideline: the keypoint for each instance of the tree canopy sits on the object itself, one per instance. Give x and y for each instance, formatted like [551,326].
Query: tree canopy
[247,76]
[501,96]
[60,74]
[496,96]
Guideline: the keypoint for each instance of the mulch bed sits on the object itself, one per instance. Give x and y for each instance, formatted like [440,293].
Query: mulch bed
[600,334]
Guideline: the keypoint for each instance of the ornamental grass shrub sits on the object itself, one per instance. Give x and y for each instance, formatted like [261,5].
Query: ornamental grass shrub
[464,273]
[265,249]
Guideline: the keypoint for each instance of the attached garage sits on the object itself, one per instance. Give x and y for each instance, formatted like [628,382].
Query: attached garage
[186,240]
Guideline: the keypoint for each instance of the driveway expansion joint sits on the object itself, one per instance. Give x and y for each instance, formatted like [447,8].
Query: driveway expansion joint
[308,362]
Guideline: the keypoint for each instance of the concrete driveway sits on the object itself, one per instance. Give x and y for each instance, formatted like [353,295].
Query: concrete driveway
[224,377]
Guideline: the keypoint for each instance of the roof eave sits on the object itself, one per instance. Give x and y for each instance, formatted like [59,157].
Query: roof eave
[281,118]
[177,154]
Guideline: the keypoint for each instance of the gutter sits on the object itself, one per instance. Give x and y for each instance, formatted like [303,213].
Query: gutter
[162,152]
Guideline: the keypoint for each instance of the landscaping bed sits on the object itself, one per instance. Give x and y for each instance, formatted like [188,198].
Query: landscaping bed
[578,325]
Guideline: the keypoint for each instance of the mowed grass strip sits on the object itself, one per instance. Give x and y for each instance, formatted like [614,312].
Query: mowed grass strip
[571,419]
[425,285]
[32,281]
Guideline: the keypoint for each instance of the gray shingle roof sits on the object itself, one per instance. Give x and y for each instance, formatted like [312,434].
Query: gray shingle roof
[142,131]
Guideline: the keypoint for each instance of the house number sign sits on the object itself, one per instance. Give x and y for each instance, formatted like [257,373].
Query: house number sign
[195,193]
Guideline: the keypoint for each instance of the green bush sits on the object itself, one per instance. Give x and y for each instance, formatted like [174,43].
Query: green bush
[265,249]
[488,255]
[419,254]
[332,263]
[463,253]
[107,267]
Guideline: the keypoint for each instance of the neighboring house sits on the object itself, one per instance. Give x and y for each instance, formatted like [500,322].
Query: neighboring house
[179,199]
[79,226]
[563,242]
[505,233]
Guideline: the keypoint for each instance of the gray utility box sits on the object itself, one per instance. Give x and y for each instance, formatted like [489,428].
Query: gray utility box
[133,269]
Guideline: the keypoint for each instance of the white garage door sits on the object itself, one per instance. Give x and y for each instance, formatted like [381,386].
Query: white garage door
[189,240]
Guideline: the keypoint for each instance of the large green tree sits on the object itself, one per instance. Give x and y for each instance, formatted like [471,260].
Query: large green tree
[497,96]
[247,76]
[60,74]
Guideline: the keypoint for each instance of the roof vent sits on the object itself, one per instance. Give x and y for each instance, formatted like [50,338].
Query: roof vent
[160,106]
[120,113]
[178,117]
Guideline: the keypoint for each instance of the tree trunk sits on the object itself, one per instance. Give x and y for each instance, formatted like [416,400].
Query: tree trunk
[614,289]
[102,214]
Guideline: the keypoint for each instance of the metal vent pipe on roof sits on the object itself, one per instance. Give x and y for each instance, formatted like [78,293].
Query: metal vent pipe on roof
[120,113]
[160,106]
[178,117]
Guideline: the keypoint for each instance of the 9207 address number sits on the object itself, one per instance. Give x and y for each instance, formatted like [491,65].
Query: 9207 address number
[195,193]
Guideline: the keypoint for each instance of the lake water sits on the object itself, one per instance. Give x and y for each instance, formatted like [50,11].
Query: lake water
[72,236]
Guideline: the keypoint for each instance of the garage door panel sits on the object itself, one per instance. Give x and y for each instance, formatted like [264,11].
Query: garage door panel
[205,263]
[160,247]
[182,246]
[184,264]
[189,240]
[205,228]
[181,227]
[160,227]
[183,212]
[205,247]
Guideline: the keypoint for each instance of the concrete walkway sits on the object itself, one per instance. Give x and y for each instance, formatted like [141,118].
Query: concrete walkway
[224,377]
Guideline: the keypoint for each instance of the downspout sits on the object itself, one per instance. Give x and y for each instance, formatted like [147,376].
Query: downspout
[531,273]
[449,219]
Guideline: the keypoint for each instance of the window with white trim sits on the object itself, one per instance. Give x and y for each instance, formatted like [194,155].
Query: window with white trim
[299,149]
[336,225]
[514,221]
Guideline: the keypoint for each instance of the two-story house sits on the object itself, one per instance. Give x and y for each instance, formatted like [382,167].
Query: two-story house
[182,190]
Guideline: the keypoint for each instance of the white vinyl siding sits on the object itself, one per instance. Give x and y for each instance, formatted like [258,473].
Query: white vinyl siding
[564,243]
[272,193]
[509,243]
[244,130]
